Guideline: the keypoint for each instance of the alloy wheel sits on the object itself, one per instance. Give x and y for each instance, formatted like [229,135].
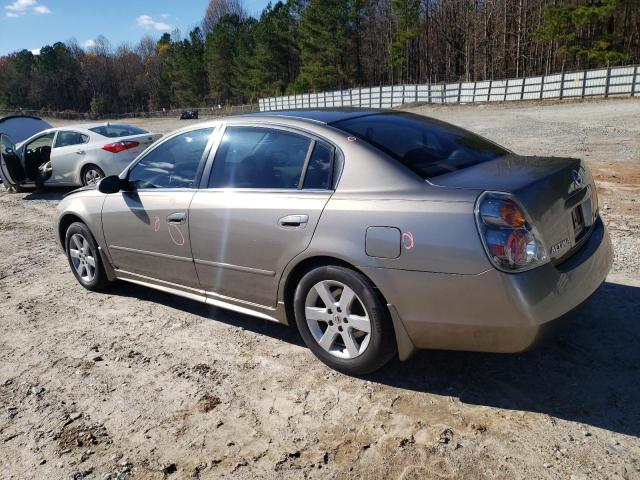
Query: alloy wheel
[337,319]
[92,176]
[82,257]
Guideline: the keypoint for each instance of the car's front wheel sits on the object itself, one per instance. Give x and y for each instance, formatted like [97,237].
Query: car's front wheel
[84,258]
[343,320]
[91,175]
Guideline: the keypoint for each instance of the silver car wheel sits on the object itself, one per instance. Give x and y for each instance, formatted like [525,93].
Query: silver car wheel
[337,319]
[92,176]
[82,257]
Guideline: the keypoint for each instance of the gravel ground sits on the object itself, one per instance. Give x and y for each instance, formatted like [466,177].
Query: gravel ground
[140,384]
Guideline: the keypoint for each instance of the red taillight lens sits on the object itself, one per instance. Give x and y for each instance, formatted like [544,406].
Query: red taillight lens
[521,247]
[511,242]
[118,147]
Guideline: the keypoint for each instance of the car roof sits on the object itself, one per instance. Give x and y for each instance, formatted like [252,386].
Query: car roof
[87,126]
[321,115]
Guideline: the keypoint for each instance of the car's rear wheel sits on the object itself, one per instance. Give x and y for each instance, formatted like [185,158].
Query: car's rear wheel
[84,258]
[343,320]
[91,175]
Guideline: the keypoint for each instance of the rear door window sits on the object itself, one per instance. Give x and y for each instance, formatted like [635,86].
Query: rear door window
[257,157]
[115,131]
[66,139]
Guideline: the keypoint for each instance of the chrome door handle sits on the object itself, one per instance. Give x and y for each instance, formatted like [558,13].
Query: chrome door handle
[178,217]
[292,221]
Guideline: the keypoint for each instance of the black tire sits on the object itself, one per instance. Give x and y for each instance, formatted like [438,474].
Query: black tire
[86,169]
[381,345]
[99,282]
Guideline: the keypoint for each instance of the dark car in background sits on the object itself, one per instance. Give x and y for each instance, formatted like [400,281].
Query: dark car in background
[189,115]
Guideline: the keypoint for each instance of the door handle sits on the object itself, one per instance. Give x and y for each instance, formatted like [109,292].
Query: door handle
[178,217]
[293,221]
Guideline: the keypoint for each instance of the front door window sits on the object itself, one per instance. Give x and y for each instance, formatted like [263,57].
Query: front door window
[173,164]
[37,153]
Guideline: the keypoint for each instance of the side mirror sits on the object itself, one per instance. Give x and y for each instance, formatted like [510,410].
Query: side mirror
[110,184]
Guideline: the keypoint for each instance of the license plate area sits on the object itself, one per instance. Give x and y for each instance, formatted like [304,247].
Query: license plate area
[577,216]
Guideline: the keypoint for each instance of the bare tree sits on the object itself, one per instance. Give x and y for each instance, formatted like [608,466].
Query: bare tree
[216,9]
[146,47]
[101,46]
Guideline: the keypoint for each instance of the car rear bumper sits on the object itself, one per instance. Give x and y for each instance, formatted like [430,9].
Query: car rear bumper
[494,311]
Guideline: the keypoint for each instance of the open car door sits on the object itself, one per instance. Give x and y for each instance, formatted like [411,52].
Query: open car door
[11,169]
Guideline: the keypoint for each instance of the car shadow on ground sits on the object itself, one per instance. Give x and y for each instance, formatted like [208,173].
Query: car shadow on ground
[275,330]
[588,373]
[48,194]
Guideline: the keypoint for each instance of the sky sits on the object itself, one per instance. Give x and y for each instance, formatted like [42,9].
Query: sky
[32,24]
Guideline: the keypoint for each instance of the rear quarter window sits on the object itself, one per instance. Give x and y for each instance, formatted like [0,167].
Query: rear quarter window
[319,171]
[115,131]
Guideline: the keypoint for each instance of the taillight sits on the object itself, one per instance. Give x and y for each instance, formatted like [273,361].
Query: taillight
[118,147]
[511,241]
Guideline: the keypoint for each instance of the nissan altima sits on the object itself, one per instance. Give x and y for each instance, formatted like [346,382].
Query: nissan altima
[374,232]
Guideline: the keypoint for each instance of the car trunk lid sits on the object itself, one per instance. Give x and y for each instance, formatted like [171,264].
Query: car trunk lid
[558,195]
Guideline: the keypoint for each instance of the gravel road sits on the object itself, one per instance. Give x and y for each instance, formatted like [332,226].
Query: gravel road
[140,384]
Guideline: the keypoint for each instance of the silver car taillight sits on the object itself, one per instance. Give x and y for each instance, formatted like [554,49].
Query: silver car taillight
[512,243]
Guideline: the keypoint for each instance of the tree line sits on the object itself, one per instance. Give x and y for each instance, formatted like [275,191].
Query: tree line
[300,46]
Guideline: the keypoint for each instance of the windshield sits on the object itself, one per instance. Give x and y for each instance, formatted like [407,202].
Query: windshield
[426,146]
[115,131]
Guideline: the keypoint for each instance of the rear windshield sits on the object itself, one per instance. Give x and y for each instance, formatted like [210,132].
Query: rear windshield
[426,146]
[114,131]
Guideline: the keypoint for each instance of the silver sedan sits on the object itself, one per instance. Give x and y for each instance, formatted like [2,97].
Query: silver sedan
[374,232]
[71,156]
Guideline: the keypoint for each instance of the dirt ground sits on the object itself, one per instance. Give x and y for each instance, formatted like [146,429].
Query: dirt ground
[141,384]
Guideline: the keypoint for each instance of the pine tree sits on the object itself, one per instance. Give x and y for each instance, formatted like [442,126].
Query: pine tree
[218,57]
[326,47]
[274,57]
[404,45]
[584,33]
[186,72]
[15,76]
[241,87]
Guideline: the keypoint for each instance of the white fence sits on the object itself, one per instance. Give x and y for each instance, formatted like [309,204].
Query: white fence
[171,113]
[587,83]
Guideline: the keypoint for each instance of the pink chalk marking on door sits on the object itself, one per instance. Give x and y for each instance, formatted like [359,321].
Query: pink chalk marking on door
[407,240]
[179,238]
[156,224]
